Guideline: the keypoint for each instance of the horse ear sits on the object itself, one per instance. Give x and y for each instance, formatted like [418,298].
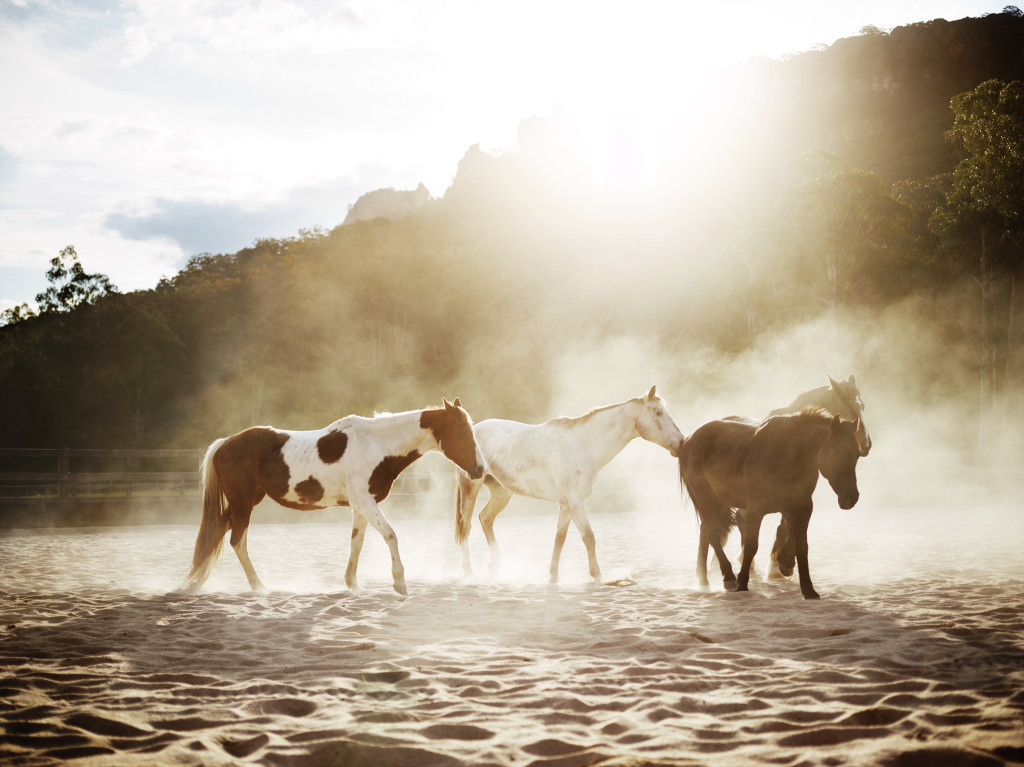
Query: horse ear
[458,402]
[852,381]
[650,394]
[447,404]
[831,383]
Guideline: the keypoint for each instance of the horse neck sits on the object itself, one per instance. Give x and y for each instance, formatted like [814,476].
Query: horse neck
[401,433]
[822,397]
[815,437]
[605,432]
[806,434]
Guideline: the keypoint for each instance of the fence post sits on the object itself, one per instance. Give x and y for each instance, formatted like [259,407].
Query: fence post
[63,470]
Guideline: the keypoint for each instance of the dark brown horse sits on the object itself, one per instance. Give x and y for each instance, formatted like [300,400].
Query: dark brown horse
[837,397]
[766,468]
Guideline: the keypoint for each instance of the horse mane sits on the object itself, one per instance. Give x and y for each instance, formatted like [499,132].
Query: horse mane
[811,420]
[570,421]
[389,414]
[815,411]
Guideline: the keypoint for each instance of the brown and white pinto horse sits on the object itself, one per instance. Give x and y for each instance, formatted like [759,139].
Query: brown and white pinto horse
[353,462]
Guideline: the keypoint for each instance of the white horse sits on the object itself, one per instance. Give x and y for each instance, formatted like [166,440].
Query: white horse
[352,462]
[558,461]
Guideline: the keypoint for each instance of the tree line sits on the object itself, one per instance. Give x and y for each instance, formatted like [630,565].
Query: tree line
[470,301]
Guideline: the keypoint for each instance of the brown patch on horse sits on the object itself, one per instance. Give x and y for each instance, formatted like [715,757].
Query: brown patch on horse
[435,419]
[250,463]
[453,432]
[386,472]
[309,490]
[331,446]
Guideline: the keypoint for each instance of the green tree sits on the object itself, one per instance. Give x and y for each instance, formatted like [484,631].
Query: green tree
[70,285]
[16,314]
[981,221]
[847,232]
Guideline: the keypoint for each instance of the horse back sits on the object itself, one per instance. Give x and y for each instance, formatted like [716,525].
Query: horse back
[534,460]
[712,462]
[782,458]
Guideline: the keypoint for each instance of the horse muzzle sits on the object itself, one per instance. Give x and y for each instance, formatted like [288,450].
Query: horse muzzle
[478,471]
[848,501]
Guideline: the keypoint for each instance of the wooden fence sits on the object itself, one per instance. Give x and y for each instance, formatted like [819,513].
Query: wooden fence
[65,481]
[61,487]
[70,487]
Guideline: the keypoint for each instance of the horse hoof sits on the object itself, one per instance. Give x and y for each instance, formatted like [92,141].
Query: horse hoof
[730,585]
[401,589]
[812,595]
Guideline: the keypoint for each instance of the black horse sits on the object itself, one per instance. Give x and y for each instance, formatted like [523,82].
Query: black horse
[765,468]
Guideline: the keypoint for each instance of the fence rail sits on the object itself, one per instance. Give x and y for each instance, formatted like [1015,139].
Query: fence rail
[64,479]
[73,486]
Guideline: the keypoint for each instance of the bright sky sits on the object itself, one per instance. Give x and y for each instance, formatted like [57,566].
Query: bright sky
[146,131]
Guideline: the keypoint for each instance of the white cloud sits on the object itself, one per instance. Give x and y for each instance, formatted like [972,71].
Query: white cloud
[148,108]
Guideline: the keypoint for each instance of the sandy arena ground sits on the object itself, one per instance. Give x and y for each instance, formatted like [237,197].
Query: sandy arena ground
[913,656]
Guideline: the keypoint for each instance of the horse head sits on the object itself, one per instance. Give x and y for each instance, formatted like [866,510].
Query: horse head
[847,402]
[837,460]
[453,430]
[655,424]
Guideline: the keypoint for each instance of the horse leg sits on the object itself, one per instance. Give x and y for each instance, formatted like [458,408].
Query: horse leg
[728,575]
[240,512]
[715,521]
[579,518]
[500,496]
[368,509]
[783,554]
[560,532]
[702,557]
[751,531]
[741,524]
[798,523]
[355,547]
[242,552]
[466,494]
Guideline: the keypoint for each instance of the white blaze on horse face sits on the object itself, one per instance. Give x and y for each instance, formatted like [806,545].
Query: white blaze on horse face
[863,437]
[656,425]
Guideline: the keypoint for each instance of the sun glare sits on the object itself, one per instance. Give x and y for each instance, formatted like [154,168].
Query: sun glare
[625,86]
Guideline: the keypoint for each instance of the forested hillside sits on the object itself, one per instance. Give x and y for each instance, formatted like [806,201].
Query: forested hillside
[873,190]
